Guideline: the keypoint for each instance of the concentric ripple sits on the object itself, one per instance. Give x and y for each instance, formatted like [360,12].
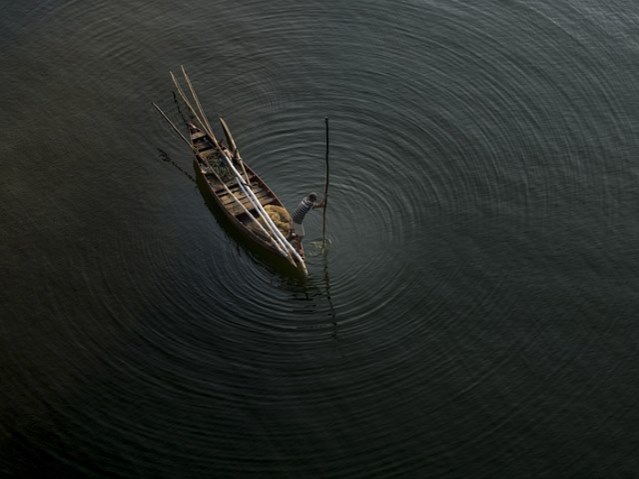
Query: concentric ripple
[474,314]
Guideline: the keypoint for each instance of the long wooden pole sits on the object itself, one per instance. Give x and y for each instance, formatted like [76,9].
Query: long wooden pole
[233,146]
[178,88]
[325,187]
[206,126]
[196,98]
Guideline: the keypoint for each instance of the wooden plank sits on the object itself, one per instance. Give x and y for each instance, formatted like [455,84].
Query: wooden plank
[221,191]
[234,187]
[207,157]
[227,199]
[208,149]
[212,179]
[236,210]
[266,200]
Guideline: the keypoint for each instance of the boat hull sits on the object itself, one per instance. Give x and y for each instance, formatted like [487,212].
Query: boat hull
[239,232]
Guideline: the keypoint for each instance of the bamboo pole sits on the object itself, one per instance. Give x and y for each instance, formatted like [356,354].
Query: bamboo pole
[187,102]
[239,202]
[202,119]
[267,219]
[260,209]
[227,133]
[245,210]
[196,98]
[233,146]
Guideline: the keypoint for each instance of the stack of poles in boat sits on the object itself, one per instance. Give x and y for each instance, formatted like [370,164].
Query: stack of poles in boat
[212,170]
[274,234]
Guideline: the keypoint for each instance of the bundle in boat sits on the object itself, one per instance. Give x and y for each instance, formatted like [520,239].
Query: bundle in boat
[281,217]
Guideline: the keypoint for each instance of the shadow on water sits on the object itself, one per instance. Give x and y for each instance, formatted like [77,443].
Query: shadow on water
[327,285]
[185,120]
[165,157]
[317,290]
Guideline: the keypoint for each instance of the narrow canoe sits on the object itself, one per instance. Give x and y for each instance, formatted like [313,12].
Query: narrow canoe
[224,189]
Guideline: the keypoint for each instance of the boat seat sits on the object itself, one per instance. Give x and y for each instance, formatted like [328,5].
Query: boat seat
[228,199]
[233,186]
[236,210]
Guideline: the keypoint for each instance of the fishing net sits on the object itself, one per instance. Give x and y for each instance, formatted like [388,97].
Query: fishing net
[280,217]
[221,169]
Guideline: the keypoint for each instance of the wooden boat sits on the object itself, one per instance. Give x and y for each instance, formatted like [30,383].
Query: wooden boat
[234,203]
[244,199]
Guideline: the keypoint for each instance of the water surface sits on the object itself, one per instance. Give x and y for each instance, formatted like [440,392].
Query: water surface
[475,315]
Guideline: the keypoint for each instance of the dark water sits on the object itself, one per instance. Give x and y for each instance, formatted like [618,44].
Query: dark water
[475,315]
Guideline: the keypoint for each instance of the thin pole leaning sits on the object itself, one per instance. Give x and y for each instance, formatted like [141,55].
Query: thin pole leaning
[233,146]
[196,98]
[178,88]
[207,125]
[201,117]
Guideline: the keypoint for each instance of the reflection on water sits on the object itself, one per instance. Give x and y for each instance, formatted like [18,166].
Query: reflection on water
[474,309]
[318,247]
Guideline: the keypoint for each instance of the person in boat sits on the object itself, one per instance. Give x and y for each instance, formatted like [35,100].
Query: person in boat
[308,203]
